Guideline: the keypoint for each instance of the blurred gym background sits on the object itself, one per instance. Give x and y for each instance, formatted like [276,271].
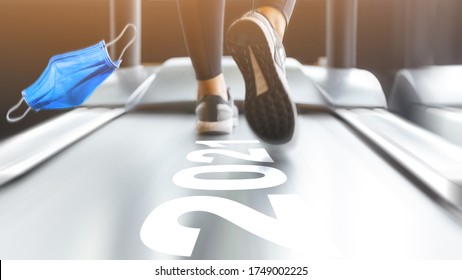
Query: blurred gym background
[392,34]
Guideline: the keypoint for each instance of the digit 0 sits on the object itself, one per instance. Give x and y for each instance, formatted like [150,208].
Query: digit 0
[188,178]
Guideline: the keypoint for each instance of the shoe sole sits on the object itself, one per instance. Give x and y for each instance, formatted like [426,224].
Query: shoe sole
[270,114]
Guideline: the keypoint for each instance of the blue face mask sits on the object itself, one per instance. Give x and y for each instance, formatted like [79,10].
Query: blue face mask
[70,78]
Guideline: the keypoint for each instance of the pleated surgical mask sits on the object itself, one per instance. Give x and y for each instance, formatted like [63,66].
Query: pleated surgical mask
[71,78]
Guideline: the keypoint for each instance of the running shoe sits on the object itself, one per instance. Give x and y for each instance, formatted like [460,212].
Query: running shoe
[216,115]
[260,56]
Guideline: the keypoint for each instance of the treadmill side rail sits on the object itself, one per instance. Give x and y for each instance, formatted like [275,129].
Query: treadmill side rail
[430,97]
[27,150]
[347,88]
[434,162]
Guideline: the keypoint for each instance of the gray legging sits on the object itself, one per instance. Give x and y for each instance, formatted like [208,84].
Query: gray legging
[202,22]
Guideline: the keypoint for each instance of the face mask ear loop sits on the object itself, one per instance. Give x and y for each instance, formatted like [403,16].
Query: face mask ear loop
[120,36]
[15,107]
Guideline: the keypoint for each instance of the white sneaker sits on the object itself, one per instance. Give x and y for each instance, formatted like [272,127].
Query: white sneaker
[260,55]
[216,115]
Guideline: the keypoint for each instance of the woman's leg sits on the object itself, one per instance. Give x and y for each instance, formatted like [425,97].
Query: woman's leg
[285,7]
[202,23]
[277,12]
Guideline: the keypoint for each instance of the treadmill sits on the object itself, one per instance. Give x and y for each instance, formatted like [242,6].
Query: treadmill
[430,97]
[424,93]
[130,178]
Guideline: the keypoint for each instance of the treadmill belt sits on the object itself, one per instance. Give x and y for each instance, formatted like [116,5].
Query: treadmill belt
[92,200]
